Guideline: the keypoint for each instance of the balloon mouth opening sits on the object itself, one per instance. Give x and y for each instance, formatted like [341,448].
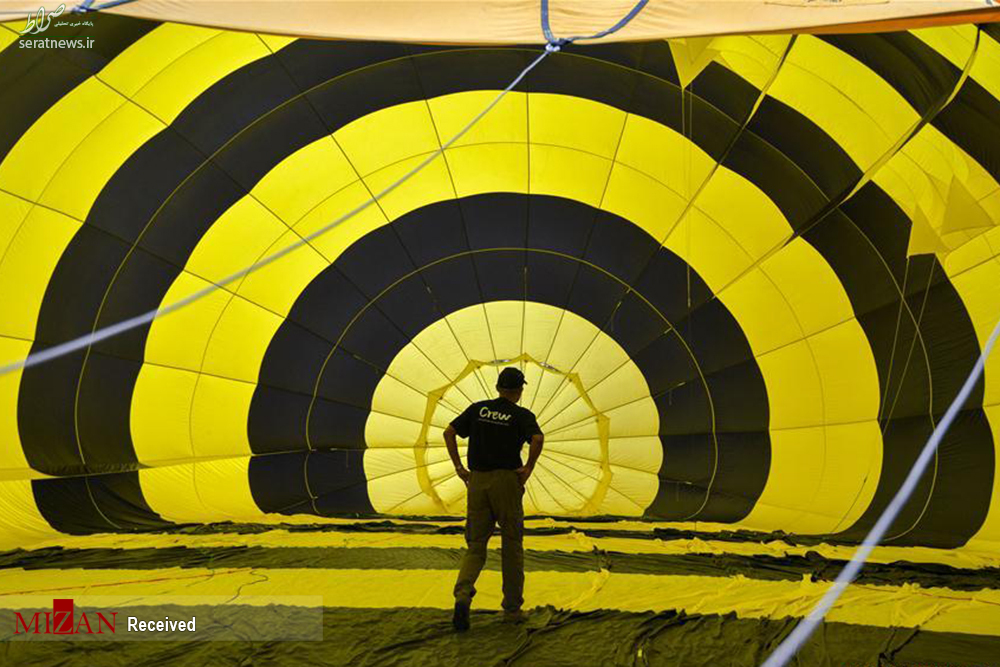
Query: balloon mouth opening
[553,391]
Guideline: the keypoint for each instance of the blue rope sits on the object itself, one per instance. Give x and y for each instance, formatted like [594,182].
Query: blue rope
[555,43]
[88,6]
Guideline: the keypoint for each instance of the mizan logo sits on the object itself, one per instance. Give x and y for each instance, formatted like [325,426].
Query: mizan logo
[60,621]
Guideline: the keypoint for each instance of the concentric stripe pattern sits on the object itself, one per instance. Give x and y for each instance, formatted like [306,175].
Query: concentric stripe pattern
[744,276]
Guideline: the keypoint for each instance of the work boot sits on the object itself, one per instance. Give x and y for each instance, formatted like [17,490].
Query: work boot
[460,619]
[514,616]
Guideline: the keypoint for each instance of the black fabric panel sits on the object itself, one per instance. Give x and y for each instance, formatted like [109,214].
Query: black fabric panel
[671,288]
[278,483]
[919,73]
[282,483]
[337,478]
[550,278]
[46,408]
[71,504]
[33,80]
[806,145]
[620,250]
[337,426]
[732,95]
[991,29]
[972,121]
[277,423]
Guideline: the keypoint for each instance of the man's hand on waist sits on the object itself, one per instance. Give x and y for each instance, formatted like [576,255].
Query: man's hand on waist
[462,473]
[524,472]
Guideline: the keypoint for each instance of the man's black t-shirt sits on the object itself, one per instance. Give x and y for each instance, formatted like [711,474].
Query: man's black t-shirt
[496,429]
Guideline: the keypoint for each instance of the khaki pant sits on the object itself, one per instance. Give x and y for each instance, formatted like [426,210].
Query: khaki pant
[494,497]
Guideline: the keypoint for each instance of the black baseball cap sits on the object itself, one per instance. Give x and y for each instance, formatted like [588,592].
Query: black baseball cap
[510,378]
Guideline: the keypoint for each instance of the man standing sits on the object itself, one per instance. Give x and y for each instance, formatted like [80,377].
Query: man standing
[496,429]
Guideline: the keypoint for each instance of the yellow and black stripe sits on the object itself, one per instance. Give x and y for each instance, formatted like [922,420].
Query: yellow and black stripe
[744,275]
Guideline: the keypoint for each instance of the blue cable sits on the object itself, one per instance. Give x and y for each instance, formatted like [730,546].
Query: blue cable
[555,43]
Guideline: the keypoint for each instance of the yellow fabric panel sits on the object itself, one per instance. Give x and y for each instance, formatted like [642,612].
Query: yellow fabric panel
[80,179]
[986,68]
[665,155]
[33,161]
[794,388]
[219,417]
[431,185]
[954,42]
[850,380]
[13,211]
[370,148]
[765,314]
[387,431]
[160,417]
[398,411]
[624,385]
[851,103]
[817,303]
[13,464]
[507,122]
[467,327]
[301,181]
[930,609]
[9,33]
[506,321]
[568,173]
[132,70]
[19,516]
[24,274]
[853,463]
[397,398]
[235,240]
[508,168]
[202,491]
[585,125]
[179,338]
[240,340]
[273,286]
[811,493]
[643,200]
[392,484]
[757,225]
[754,57]
[709,249]
[198,64]
[417,368]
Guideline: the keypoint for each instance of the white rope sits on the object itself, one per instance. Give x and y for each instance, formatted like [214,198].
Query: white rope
[788,648]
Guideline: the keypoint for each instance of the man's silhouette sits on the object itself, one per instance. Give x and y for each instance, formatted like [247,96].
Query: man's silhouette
[497,429]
